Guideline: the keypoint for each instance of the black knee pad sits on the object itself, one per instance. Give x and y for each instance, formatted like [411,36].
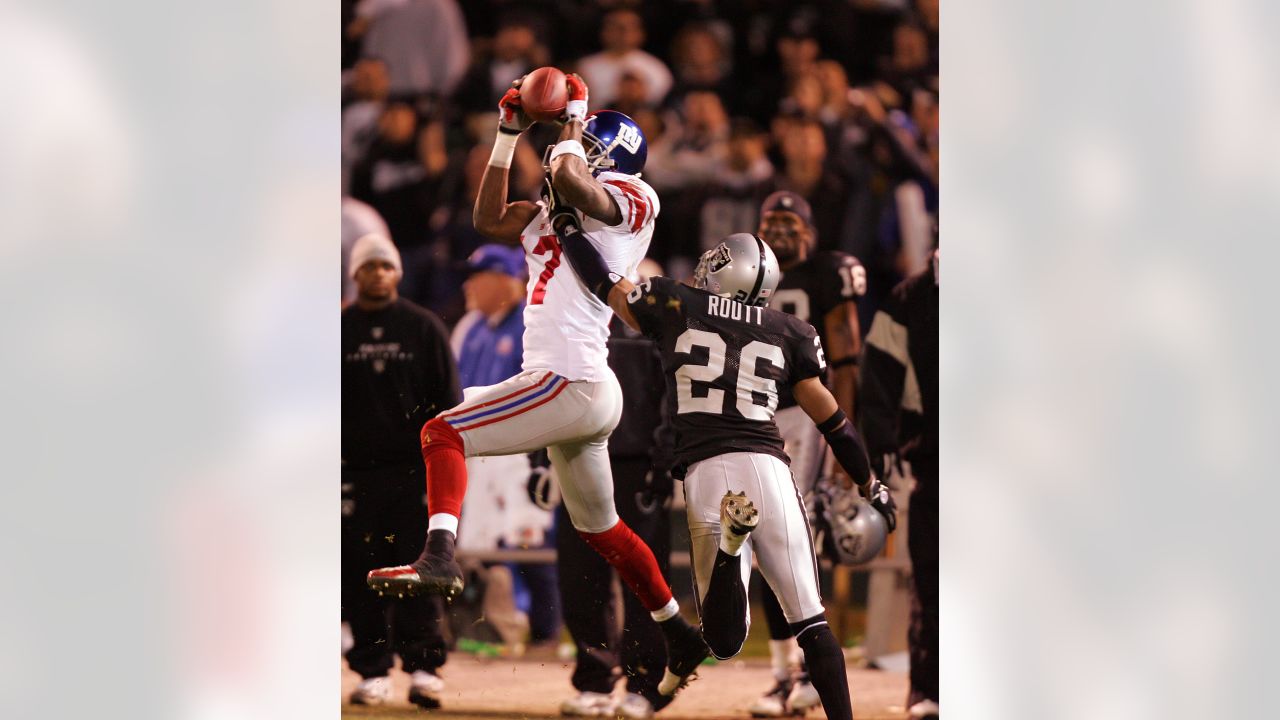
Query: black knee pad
[814,633]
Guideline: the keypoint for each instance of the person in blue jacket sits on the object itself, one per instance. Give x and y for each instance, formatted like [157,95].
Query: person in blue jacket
[488,343]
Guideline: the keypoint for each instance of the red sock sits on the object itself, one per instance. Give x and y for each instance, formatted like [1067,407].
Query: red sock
[634,562]
[445,458]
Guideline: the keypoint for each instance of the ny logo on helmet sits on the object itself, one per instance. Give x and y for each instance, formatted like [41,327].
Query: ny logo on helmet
[629,137]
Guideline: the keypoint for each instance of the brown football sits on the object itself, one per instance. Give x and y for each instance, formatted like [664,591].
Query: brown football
[544,94]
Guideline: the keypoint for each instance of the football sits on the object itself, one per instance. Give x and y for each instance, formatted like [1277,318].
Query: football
[544,94]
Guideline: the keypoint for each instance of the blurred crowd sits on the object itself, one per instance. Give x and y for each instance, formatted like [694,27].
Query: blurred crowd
[837,101]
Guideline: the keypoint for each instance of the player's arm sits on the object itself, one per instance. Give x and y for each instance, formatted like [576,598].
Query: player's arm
[570,175]
[610,287]
[820,405]
[493,216]
[844,336]
[844,345]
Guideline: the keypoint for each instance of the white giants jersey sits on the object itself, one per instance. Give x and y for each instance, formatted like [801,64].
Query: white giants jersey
[565,326]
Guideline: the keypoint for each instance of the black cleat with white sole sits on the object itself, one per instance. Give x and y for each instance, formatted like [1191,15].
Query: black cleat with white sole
[685,652]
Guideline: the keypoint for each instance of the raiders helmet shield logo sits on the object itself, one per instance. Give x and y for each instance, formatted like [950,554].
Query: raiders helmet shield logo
[722,258]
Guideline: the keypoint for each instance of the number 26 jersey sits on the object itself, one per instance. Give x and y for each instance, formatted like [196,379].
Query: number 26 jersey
[724,363]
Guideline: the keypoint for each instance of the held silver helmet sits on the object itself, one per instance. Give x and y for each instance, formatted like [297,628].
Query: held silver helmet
[850,530]
[741,267]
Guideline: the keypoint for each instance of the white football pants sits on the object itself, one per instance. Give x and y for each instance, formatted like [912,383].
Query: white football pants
[572,419]
[781,543]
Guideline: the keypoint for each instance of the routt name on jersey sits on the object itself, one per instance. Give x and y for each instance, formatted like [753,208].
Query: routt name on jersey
[731,310]
[724,363]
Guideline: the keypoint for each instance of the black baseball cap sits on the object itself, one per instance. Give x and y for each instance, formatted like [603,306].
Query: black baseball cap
[790,202]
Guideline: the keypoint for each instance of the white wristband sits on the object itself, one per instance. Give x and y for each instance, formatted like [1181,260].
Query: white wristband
[504,147]
[576,110]
[569,147]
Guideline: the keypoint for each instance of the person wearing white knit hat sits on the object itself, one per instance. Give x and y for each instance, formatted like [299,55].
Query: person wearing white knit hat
[397,373]
[374,246]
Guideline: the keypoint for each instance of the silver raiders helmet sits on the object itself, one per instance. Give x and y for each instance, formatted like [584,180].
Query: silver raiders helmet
[741,267]
[848,528]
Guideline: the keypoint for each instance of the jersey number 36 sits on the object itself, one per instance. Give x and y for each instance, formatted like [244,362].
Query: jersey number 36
[747,384]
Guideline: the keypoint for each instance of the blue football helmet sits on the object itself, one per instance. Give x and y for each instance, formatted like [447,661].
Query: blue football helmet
[615,143]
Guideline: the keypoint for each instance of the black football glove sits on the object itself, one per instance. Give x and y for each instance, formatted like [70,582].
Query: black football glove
[562,215]
[877,493]
[658,489]
[539,488]
[538,485]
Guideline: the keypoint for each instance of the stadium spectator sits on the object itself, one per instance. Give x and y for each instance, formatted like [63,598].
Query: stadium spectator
[893,211]
[633,94]
[797,50]
[898,392]
[399,175]
[805,172]
[731,201]
[622,34]
[834,81]
[412,178]
[358,220]
[424,43]
[699,144]
[489,345]
[369,87]
[640,452]
[515,50]
[457,237]
[909,65]
[804,98]
[397,373]
[700,62]
[928,12]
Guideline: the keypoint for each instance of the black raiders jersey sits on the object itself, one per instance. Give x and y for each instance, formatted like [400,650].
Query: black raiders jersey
[724,363]
[814,288]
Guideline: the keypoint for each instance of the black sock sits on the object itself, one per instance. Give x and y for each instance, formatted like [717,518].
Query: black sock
[825,659]
[440,544]
[724,609]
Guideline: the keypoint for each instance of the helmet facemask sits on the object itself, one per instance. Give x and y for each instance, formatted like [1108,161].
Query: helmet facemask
[598,159]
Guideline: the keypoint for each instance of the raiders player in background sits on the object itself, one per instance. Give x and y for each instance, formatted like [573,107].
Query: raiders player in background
[820,288]
[725,357]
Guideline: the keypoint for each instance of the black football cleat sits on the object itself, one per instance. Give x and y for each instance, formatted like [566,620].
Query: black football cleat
[685,652]
[434,572]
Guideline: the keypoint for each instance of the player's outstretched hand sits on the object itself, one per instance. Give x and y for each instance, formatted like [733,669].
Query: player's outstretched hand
[877,493]
[576,107]
[511,116]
